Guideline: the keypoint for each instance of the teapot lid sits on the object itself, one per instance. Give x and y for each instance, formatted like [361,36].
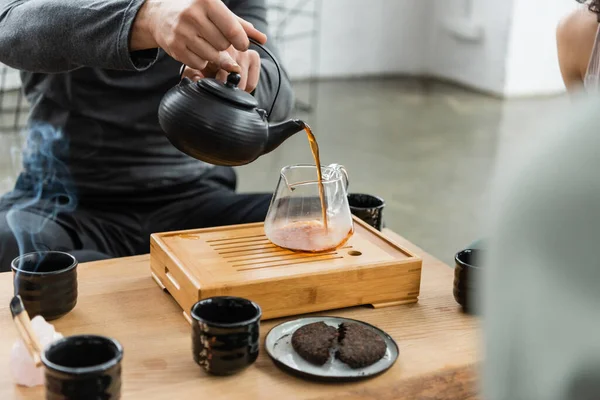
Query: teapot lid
[229,91]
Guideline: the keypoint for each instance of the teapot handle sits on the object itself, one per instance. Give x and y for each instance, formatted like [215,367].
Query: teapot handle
[272,57]
[276,66]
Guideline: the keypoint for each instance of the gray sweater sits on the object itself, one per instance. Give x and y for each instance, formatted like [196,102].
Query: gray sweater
[81,79]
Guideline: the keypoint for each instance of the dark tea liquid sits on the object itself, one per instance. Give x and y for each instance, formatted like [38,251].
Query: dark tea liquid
[314,148]
[311,236]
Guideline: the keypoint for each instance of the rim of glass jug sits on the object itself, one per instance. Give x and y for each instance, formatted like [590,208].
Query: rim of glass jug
[341,168]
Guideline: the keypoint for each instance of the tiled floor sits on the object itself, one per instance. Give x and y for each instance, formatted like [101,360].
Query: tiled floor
[429,149]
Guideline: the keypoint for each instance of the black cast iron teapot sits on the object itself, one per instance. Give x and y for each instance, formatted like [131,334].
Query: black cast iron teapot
[219,123]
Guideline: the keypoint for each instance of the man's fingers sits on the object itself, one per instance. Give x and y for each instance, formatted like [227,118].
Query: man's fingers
[244,64]
[211,70]
[253,71]
[222,75]
[192,60]
[192,74]
[229,25]
[202,48]
[211,33]
[252,32]
[228,63]
[225,65]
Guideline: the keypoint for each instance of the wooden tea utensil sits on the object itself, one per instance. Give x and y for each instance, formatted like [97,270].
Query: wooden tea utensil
[23,324]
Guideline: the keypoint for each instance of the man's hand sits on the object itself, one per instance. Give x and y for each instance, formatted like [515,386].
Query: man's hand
[246,63]
[194,32]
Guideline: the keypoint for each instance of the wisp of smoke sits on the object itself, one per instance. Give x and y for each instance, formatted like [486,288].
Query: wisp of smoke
[48,185]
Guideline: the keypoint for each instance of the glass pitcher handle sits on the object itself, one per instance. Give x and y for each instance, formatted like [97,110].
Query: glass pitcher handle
[342,169]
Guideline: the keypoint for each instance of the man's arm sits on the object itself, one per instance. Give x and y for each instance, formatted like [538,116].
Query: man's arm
[255,12]
[60,35]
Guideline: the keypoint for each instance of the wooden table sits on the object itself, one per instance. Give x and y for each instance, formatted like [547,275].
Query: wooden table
[439,346]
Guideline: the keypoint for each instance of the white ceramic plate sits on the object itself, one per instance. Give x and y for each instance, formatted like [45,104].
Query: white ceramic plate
[279,347]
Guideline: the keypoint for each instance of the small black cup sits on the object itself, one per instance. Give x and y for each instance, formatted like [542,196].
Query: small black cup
[47,283]
[466,279]
[83,367]
[225,334]
[368,208]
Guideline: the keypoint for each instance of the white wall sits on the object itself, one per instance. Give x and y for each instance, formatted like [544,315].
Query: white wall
[532,62]
[514,55]
[360,37]
[478,62]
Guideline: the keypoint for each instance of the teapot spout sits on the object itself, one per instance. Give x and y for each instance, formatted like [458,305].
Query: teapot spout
[279,133]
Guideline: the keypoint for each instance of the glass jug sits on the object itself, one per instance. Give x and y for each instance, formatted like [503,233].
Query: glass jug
[295,219]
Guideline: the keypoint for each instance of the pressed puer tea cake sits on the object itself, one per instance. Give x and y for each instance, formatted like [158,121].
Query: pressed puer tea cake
[359,345]
[355,344]
[314,341]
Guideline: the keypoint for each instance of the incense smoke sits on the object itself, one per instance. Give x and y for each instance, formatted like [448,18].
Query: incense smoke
[47,180]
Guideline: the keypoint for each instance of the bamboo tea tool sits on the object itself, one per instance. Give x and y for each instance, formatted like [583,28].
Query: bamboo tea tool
[240,261]
[26,332]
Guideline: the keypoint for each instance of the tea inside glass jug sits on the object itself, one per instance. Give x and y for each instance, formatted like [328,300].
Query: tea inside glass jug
[303,218]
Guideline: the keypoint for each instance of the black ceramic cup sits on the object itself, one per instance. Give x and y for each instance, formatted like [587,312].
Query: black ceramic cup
[225,334]
[83,367]
[466,279]
[368,208]
[47,283]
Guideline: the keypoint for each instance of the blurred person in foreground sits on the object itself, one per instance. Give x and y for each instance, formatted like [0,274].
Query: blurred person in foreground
[541,289]
[98,174]
[578,44]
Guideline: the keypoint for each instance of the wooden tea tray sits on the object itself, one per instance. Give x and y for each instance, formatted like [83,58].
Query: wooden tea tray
[240,261]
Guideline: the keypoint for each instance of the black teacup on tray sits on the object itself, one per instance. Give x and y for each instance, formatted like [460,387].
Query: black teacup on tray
[368,208]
